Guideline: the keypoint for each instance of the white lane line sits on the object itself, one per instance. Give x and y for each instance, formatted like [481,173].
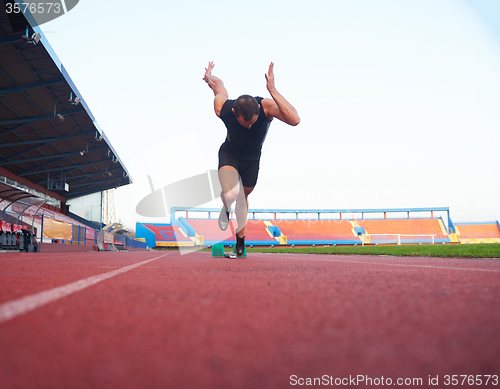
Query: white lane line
[308,257]
[420,266]
[23,305]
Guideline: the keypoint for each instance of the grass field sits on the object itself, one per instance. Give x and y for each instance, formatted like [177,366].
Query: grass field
[486,250]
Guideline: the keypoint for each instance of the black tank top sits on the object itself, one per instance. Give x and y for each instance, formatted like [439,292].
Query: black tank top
[244,143]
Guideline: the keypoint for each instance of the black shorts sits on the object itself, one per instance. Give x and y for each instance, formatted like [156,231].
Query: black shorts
[248,170]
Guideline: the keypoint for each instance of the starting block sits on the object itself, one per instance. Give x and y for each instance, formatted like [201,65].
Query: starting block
[244,252]
[218,250]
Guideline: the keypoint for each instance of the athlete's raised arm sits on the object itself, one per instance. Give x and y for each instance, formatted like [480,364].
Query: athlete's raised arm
[278,107]
[216,84]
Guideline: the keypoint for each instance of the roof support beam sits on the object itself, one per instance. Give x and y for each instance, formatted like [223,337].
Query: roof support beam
[77,178]
[11,39]
[64,168]
[109,179]
[72,179]
[46,140]
[31,86]
[36,159]
[78,193]
[37,119]
[10,162]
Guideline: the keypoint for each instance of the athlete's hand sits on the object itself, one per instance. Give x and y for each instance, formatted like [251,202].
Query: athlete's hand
[270,78]
[208,72]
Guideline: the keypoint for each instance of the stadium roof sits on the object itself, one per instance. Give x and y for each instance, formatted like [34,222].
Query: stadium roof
[48,134]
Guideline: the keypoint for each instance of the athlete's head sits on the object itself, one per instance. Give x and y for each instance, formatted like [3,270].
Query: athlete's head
[246,110]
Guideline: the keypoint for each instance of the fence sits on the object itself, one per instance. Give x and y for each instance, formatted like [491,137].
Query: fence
[25,214]
[57,231]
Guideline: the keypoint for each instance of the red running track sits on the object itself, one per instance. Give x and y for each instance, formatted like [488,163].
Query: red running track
[267,321]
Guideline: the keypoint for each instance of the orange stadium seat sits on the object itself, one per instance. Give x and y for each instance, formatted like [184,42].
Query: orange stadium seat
[428,226]
[402,226]
[478,231]
[315,231]
[318,231]
[255,232]
[167,233]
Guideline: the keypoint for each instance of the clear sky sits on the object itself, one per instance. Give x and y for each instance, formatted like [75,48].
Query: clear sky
[399,100]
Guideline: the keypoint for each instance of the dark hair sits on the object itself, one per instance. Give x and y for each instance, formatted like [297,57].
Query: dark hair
[246,106]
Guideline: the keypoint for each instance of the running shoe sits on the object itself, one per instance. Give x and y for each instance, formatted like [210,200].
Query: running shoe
[223,219]
[240,245]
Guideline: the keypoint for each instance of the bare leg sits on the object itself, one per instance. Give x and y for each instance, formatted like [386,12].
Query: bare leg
[231,192]
[242,211]
[230,183]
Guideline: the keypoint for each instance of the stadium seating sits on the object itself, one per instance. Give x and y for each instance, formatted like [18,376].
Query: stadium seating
[317,231]
[168,235]
[427,226]
[209,229]
[5,235]
[313,230]
[255,232]
[16,237]
[36,216]
[478,232]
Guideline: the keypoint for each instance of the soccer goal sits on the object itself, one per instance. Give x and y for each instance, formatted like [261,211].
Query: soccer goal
[377,239]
